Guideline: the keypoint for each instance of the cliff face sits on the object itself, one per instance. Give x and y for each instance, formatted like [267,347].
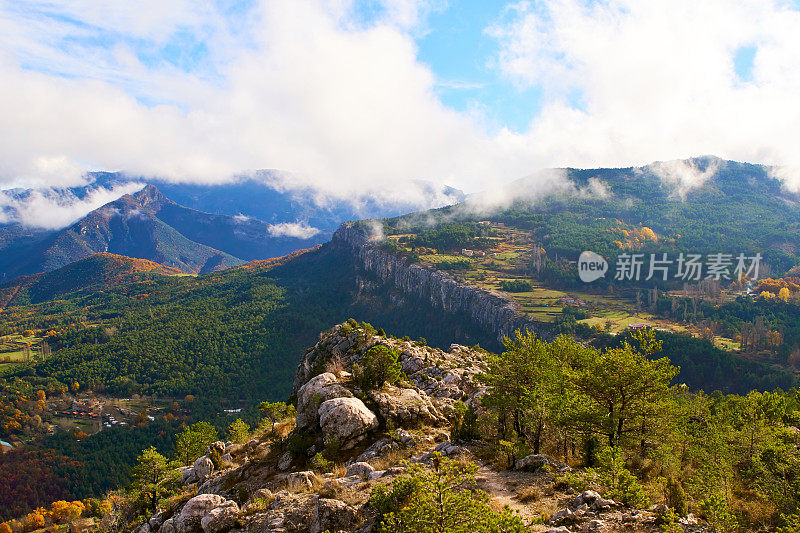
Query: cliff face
[492,313]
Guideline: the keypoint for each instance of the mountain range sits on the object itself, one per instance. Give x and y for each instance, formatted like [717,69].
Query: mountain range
[222,226]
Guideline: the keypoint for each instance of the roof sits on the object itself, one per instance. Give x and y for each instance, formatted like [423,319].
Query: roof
[6,444]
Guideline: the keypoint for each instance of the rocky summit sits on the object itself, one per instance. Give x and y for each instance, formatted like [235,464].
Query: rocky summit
[281,481]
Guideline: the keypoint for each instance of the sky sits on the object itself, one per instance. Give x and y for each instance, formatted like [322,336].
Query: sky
[351,96]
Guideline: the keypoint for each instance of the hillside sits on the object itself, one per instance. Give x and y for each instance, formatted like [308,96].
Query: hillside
[99,271]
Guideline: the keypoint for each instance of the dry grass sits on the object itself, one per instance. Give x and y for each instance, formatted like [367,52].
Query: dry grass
[335,366]
[392,458]
[528,494]
[339,470]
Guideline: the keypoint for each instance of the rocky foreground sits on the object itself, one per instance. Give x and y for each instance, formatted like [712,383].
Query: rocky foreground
[269,485]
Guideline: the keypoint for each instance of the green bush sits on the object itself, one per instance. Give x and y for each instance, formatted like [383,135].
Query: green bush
[621,483]
[455,264]
[440,499]
[380,365]
[320,464]
[516,285]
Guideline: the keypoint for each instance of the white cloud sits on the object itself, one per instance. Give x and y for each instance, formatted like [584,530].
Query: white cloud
[629,82]
[682,175]
[346,107]
[54,209]
[299,230]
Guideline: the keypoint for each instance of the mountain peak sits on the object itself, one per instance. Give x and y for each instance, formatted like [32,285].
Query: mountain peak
[150,197]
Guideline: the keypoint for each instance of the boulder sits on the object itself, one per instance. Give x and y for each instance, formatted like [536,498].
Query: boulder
[361,469]
[220,519]
[448,449]
[155,521]
[333,515]
[594,526]
[532,463]
[311,395]
[406,407]
[285,461]
[202,467]
[592,500]
[167,527]
[405,438]
[299,481]
[200,470]
[346,419]
[560,517]
[190,517]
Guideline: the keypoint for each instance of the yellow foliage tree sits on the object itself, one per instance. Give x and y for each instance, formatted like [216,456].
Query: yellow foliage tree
[5,528]
[784,294]
[64,511]
[649,234]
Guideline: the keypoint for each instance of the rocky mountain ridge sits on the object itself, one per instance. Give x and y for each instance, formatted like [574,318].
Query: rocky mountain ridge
[273,484]
[487,310]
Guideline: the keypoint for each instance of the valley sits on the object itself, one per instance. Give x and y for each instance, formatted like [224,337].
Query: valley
[142,347]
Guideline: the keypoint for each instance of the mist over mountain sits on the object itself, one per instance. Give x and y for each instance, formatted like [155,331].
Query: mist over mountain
[196,228]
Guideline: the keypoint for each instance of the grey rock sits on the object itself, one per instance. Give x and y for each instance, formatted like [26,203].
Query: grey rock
[168,526]
[594,526]
[360,469]
[190,517]
[559,517]
[333,515]
[285,461]
[298,481]
[406,407]
[220,519]
[311,396]
[346,419]
[532,463]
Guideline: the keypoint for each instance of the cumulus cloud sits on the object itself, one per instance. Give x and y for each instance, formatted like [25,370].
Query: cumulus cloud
[629,82]
[346,108]
[298,230]
[57,208]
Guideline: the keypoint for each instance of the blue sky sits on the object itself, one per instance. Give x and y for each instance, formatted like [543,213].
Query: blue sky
[356,95]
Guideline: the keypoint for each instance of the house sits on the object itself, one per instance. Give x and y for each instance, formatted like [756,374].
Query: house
[467,253]
[637,327]
[5,446]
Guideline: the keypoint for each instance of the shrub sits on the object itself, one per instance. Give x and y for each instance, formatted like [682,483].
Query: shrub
[465,422]
[442,499]
[516,285]
[454,264]
[621,483]
[380,365]
[676,497]
[320,464]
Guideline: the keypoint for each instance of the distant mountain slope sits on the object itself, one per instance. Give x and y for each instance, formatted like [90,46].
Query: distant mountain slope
[243,237]
[99,271]
[129,226]
[197,228]
[700,205]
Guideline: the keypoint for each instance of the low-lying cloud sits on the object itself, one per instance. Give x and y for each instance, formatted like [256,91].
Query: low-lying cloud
[298,230]
[57,208]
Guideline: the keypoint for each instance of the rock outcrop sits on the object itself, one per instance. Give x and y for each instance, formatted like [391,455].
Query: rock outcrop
[440,290]
[282,486]
[347,420]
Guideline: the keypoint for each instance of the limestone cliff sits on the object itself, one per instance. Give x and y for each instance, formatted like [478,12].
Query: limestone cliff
[438,289]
